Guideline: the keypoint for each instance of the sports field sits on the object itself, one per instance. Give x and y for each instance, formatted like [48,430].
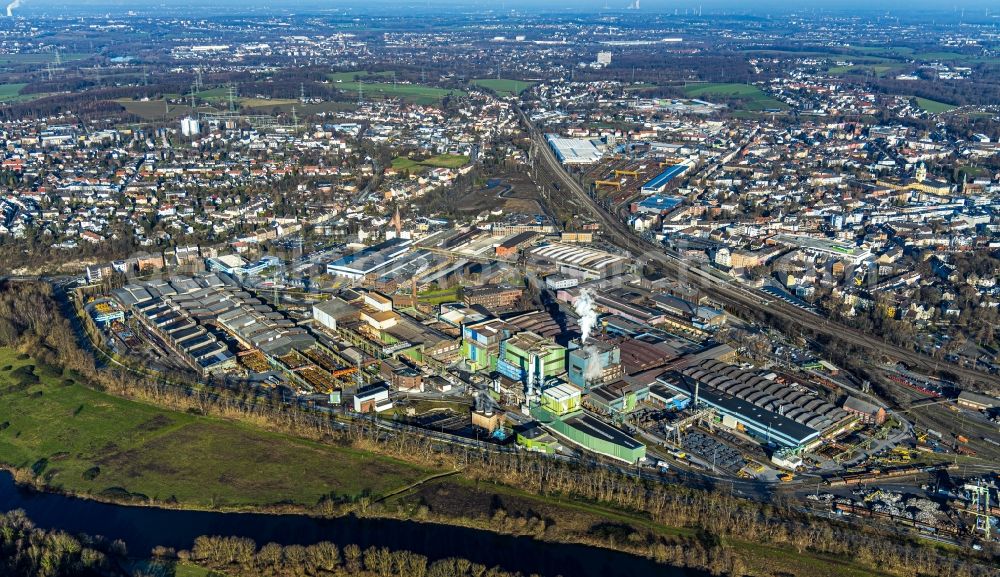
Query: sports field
[84,441]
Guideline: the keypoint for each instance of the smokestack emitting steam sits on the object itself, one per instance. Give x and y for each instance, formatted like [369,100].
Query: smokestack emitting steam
[584,306]
[11,6]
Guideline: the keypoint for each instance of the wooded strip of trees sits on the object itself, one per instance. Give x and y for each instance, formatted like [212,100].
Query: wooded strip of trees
[30,319]
[240,557]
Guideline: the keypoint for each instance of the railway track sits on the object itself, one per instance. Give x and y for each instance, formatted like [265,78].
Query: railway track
[737,297]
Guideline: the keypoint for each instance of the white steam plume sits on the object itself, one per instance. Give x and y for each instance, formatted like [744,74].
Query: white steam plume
[584,306]
[11,6]
[592,372]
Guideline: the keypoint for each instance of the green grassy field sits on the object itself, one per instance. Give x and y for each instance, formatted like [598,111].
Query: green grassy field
[81,440]
[504,86]
[754,97]
[446,161]
[883,50]
[415,93]
[933,106]
[439,296]
[942,56]
[409,92]
[42,57]
[217,92]
[10,92]
[404,163]
[774,53]
[875,68]
[742,90]
[267,103]
[785,561]
[439,161]
[188,570]
[972,172]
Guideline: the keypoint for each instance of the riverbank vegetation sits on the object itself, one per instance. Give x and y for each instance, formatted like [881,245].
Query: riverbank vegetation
[241,557]
[521,494]
[28,550]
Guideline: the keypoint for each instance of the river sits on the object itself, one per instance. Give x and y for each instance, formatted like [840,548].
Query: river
[142,528]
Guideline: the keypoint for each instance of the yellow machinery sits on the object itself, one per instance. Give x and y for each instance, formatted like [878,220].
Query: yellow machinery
[873,495]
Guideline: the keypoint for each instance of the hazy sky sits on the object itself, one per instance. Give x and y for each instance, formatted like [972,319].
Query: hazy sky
[54,7]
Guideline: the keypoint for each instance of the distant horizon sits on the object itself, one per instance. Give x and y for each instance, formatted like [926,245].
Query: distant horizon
[897,8]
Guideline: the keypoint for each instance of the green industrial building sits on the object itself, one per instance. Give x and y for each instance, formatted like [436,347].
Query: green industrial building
[561,399]
[528,356]
[593,434]
[534,438]
[481,343]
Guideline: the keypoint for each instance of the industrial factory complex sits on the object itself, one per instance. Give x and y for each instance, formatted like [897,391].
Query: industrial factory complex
[616,367]
[737,274]
[583,379]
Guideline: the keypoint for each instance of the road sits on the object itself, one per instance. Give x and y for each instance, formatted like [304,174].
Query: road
[728,293]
